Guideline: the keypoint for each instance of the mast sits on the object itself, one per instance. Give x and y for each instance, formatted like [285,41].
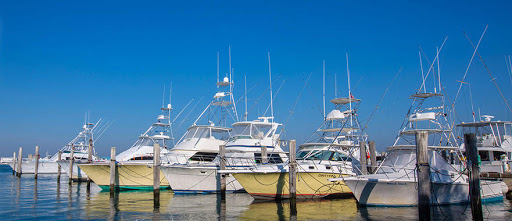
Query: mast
[422,74]
[217,68]
[438,70]
[349,92]
[335,86]
[323,86]
[271,97]
[246,113]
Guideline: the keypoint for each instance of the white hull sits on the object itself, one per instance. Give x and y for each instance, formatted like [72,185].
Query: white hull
[45,167]
[185,179]
[77,172]
[380,192]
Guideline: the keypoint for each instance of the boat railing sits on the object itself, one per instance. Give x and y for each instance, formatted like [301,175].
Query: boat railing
[240,162]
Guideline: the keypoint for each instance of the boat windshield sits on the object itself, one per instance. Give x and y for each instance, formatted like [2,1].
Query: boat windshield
[251,131]
[323,155]
[198,132]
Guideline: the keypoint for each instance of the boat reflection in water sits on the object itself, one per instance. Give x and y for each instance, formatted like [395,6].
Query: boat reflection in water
[333,209]
[133,204]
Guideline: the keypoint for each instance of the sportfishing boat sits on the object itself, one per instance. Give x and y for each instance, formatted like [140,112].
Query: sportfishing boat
[395,182]
[80,145]
[494,143]
[243,148]
[135,165]
[332,150]
[200,144]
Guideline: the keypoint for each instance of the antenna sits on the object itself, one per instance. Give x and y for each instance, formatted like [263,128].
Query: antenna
[246,113]
[230,63]
[170,94]
[270,78]
[349,92]
[438,70]
[422,74]
[323,86]
[217,68]
[163,98]
[335,85]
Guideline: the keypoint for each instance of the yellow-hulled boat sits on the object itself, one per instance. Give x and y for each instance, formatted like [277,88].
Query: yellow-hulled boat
[129,175]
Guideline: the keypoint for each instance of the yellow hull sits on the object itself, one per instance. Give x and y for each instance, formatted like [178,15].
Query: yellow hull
[129,176]
[275,185]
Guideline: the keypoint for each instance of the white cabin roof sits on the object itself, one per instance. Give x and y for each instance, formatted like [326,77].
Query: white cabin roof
[344,100]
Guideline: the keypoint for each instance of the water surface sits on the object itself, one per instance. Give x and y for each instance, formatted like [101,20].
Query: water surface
[45,199]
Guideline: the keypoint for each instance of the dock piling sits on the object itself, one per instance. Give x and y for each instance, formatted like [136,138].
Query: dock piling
[14,163]
[71,162]
[89,160]
[222,165]
[292,169]
[474,176]
[156,175]
[423,170]
[362,158]
[373,156]
[59,157]
[37,163]
[20,161]
[112,171]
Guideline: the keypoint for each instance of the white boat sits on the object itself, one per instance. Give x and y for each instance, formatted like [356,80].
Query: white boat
[494,143]
[80,144]
[395,182]
[135,165]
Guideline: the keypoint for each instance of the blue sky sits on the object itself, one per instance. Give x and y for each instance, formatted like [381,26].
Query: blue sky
[59,60]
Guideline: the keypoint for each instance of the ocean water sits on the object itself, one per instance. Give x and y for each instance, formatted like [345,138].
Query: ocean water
[45,199]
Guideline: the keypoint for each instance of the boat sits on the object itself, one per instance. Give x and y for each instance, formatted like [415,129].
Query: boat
[332,150]
[80,145]
[135,165]
[494,145]
[395,181]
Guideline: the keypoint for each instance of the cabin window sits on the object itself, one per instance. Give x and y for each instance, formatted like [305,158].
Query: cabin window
[484,155]
[198,132]
[203,156]
[142,158]
[272,158]
[497,155]
[321,155]
[340,157]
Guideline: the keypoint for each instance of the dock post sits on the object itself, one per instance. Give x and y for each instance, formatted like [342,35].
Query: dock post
[362,158]
[264,155]
[20,161]
[89,160]
[474,176]
[373,156]
[14,163]
[71,162]
[423,168]
[37,163]
[222,165]
[112,171]
[292,169]
[156,175]
[59,167]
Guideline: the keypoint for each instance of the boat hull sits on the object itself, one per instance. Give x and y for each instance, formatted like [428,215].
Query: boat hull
[198,180]
[372,192]
[129,176]
[309,185]
[45,167]
[77,172]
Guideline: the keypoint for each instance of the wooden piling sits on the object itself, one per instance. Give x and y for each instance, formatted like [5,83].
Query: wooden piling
[71,162]
[222,165]
[474,176]
[373,156]
[292,169]
[423,170]
[36,169]
[362,158]
[14,163]
[59,167]
[20,162]
[112,171]
[156,175]
[89,160]
[264,155]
